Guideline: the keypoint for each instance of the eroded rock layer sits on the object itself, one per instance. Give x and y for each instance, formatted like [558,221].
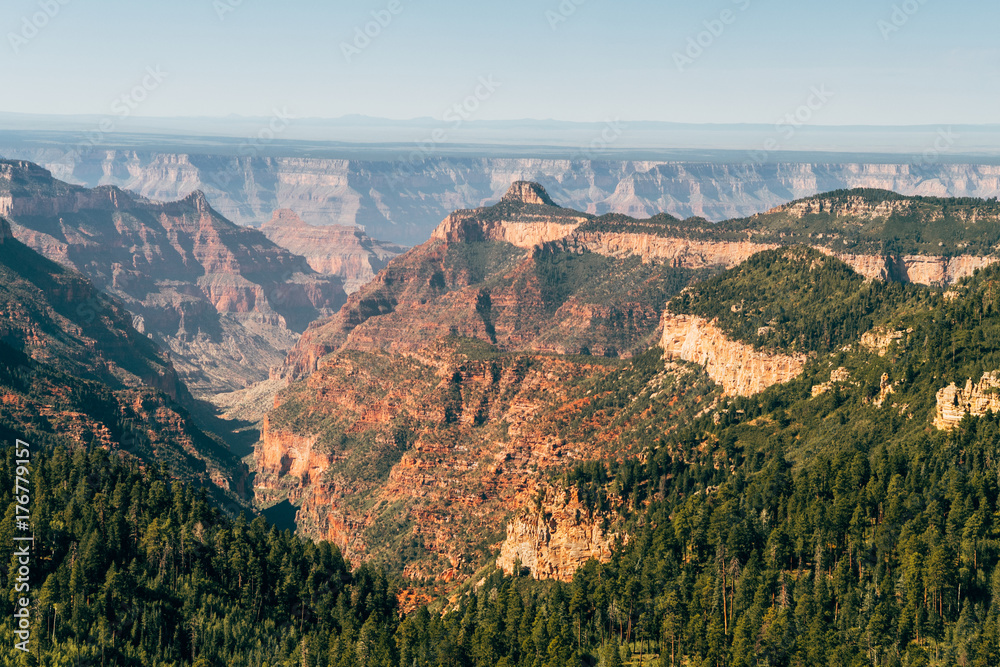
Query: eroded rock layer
[74,371]
[413,459]
[975,399]
[553,539]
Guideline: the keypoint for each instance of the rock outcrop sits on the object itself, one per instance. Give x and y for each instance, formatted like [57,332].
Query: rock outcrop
[293,459]
[942,271]
[5,231]
[837,376]
[527,192]
[555,538]
[676,251]
[880,339]
[973,399]
[738,367]
[336,250]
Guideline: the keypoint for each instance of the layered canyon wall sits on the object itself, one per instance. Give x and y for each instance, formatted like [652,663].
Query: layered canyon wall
[738,367]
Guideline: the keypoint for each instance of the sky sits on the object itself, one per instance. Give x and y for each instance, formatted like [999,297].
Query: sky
[850,62]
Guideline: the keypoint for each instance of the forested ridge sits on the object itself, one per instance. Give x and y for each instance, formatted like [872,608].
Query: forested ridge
[796,300]
[133,569]
[796,527]
[893,225]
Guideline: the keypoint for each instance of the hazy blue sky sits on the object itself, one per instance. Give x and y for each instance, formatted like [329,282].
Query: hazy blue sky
[607,59]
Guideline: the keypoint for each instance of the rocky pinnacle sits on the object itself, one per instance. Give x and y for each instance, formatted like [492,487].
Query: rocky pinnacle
[527,192]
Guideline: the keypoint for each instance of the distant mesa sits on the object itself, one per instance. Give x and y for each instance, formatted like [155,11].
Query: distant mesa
[528,192]
[337,250]
[286,217]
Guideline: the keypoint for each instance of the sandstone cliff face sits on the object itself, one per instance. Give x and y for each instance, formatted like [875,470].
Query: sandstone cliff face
[678,252]
[227,302]
[738,367]
[291,463]
[974,399]
[464,227]
[369,193]
[555,539]
[879,340]
[942,271]
[5,231]
[929,270]
[337,250]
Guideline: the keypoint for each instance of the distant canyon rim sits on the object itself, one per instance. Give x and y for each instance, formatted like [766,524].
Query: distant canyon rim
[402,202]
